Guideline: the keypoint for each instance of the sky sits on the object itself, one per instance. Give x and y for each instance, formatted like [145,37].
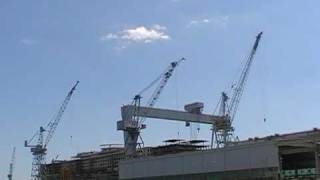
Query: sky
[116,48]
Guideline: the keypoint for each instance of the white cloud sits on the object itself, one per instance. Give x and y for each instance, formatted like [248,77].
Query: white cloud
[220,21]
[109,36]
[198,22]
[159,27]
[139,34]
[143,34]
[28,42]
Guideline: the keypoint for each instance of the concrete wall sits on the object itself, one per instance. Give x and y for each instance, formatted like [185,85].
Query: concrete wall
[244,157]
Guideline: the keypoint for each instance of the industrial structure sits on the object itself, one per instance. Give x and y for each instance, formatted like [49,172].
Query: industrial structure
[39,150]
[278,156]
[286,156]
[105,163]
[12,162]
[88,165]
[132,124]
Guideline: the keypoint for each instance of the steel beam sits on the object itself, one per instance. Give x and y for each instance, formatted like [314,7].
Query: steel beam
[128,111]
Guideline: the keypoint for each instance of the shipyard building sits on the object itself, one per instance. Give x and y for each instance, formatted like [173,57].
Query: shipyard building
[286,156]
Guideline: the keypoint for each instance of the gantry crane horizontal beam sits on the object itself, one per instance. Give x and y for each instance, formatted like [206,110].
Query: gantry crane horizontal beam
[128,111]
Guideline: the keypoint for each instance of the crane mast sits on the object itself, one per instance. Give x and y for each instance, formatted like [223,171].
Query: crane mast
[11,166]
[39,150]
[228,109]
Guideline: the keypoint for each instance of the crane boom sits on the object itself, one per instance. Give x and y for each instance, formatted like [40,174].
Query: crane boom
[53,124]
[239,88]
[132,133]
[164,78]
[11,167]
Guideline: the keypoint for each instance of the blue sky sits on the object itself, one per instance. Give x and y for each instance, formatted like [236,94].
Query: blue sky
[115,48]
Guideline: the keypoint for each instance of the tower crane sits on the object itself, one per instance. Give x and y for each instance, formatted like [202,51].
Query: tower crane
[132,133]
[39,150]
[223,132]
[11,167]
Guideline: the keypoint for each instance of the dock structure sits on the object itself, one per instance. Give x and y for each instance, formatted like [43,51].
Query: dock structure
[285,156]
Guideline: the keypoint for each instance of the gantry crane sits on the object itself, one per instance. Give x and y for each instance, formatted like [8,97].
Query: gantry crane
[223,132]
[11,166]
[132,134]
[39,150]
[222,123]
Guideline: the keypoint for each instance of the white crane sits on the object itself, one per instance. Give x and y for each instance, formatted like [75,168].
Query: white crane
[39,150]
[223,132]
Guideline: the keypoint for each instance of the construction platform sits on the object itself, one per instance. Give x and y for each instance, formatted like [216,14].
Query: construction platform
[285,156]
